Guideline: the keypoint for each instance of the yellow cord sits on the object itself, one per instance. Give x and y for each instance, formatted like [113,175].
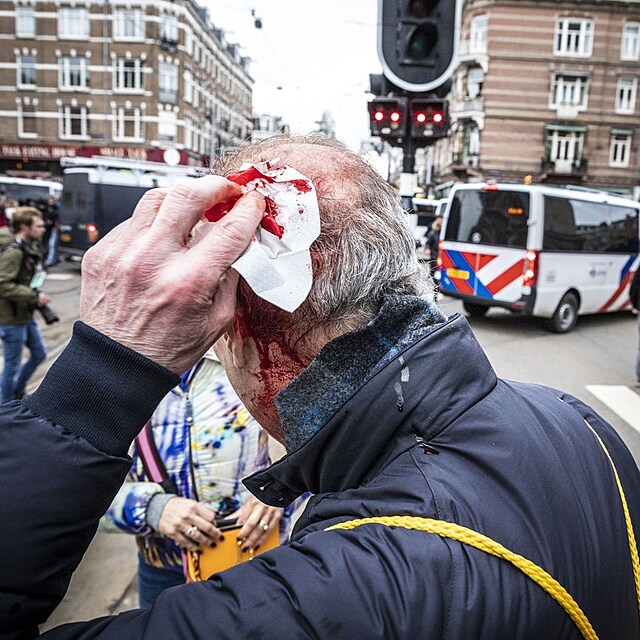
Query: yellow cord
[635,562]
[473,538]
[530,569]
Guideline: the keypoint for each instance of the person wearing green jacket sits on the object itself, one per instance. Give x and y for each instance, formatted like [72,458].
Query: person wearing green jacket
[20,268]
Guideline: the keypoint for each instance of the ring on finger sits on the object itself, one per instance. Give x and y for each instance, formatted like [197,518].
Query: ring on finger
[264,525]
[191,531]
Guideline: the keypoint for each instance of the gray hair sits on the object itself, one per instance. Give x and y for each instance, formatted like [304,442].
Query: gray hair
[365,250]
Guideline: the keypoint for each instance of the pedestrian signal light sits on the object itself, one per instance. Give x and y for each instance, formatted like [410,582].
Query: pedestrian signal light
[429,118]
[387,118]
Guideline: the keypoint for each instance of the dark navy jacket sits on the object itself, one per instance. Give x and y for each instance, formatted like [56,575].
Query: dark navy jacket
[433,433]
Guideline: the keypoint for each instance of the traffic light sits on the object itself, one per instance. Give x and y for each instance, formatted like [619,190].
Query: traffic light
[388,118]
[418,41]
[429,118]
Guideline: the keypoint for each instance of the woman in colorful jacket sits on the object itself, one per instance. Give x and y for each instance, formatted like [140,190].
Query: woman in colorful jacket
[208,442]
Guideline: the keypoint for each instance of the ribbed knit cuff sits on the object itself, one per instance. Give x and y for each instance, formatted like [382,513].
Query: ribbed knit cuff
[101,390]
[156,507]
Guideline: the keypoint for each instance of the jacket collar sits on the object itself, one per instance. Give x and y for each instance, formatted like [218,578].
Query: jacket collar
[420,389]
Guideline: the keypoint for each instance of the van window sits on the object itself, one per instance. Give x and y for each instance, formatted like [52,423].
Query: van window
[495,217]
[426,213]
[578,225]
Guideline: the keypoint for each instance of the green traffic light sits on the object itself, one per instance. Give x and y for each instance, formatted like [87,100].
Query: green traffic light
[422,41]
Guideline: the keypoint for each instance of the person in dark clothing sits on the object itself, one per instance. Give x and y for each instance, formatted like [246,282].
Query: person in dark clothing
[447,502]
[432,244]
[634,296]
[51,216]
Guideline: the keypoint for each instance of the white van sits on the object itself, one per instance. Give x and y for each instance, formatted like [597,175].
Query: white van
[26,190]
[425,211]
[550,252]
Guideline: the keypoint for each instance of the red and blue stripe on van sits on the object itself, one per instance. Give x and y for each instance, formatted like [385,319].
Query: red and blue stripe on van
[621,294]
[461,273]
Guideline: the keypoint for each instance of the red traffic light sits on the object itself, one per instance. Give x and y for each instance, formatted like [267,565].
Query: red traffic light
[429,118]
[378,116]
[394,116]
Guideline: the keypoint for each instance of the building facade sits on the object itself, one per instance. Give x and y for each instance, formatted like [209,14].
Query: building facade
[546,91]
[124,78]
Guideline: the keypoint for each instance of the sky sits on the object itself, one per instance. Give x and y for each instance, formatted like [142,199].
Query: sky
[308,57]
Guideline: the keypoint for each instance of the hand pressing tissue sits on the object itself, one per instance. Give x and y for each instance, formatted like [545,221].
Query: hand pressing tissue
[277,266]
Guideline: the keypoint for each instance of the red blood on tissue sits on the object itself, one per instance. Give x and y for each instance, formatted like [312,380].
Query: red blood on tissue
[268,222]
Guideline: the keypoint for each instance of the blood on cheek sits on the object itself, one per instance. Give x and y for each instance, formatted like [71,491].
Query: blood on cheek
[278,364]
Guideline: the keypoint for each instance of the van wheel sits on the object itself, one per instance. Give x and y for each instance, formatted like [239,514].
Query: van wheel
[475,310]
[565,316]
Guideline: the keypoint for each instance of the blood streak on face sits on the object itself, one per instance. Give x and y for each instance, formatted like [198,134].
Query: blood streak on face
[278,365]
[251,176]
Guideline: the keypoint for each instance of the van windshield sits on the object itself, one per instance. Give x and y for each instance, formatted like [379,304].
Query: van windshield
[25,193]
[489,216]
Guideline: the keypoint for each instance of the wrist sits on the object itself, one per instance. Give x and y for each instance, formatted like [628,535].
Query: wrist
[155,508]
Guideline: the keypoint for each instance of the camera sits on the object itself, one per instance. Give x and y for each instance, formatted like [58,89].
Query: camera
[48,315]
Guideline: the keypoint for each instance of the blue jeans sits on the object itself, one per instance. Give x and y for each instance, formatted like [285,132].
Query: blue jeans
[52,255]
[152,581]
[14,338]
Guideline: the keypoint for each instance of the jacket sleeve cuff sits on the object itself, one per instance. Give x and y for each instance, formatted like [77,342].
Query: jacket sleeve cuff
[101,390]
[156,507]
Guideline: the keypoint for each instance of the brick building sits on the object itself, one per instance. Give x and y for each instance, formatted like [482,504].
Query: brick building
[546,91]
[125,78]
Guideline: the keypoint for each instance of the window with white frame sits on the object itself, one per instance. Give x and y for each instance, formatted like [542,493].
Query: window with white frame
[188,86]
[168,82]
[129,74]
[129,24]
[187,133]
[167,126]
[574,37]
[630,49]
[565,145]
[128,124]
[569,90]
[620,150]
[626,93]
[25,21]
[73,22]
[26,71]
[73,121]
[478,34]
[169,27]
[27,121]
[73,72]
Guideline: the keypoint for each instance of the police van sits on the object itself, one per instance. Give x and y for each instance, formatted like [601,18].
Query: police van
[99,193]
[550,252]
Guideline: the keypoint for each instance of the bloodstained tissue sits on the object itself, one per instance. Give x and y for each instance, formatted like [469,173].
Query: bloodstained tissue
[254,179]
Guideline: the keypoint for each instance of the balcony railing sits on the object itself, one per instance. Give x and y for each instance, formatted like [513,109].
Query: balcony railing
[564,167]
[469,105]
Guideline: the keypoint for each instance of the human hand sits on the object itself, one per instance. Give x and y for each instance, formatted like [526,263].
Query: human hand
[183,515]
[151,287]
[257,520]
[43,299]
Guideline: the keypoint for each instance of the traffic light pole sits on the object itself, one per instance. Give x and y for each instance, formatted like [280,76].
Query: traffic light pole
[408,178]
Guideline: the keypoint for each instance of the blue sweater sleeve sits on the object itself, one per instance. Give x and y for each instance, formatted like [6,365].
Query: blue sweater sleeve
[63,456]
